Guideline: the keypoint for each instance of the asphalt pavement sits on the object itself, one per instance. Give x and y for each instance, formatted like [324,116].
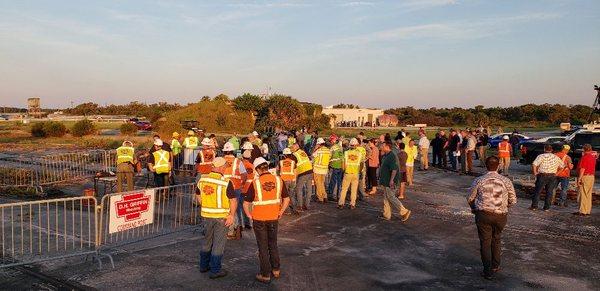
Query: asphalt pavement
[330,249]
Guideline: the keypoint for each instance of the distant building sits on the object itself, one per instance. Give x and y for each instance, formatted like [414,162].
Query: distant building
[33,107]
[388,120]
[346,117]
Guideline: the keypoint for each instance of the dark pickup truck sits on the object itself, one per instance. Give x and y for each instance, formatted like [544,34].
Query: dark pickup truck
[532,148]
[587,135]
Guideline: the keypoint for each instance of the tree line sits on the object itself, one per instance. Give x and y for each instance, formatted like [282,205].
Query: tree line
[528,114]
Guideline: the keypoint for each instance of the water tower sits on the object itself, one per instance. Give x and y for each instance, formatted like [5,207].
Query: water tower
[33,107]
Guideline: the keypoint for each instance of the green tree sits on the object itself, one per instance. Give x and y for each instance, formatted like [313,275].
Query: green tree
[221,97]
[248,102]
[83,127]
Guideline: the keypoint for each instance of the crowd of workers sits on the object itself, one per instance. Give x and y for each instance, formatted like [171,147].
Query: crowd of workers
[250,183]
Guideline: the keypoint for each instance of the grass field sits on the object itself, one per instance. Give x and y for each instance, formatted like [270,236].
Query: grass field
[19,125]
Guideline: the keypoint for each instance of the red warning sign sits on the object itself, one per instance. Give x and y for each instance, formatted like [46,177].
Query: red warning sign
[131,210]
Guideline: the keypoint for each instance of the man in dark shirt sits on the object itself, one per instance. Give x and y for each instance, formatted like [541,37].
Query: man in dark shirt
[453,152]
[388,177]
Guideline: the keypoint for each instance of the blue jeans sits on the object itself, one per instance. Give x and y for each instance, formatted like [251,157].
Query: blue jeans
[453,160]
[240,218]
[335,183]
[547,182]
[213,244]
[564,187]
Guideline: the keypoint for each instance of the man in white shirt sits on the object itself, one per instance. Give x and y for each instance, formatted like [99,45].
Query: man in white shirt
[544,168]
[424,151]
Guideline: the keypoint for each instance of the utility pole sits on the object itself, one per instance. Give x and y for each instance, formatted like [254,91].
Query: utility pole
[596,107]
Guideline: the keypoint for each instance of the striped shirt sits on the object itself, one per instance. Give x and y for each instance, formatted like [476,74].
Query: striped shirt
[493,193]
[548,163]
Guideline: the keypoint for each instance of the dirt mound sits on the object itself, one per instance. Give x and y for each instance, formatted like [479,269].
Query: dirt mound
[212,116]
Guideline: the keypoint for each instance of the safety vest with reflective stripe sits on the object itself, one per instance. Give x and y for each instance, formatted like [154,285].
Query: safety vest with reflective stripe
[363,153]
[250,171]
[565,172]
[321,160]
[286,170]
[161,161]
[504,149]
[232,171]
[190,142]
[125,155]
[304,164]
[267,197]
[337,155]
[206,158]
[352,159]
[175,146]
[213,195]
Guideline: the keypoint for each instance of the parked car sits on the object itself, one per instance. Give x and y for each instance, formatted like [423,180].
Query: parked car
[497,138]
[3,117]
[590,134]
[143,125]
[530,149]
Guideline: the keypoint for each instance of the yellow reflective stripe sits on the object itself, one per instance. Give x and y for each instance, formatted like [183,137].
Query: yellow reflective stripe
[258,189]
[258,192]
[291,172]
[220,196]
[214,181]
[214,210]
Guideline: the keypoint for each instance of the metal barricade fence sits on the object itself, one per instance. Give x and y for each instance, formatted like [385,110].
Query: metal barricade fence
[175,209]
[47,229]
[38,171]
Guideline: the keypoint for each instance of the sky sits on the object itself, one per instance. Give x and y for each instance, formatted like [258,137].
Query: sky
[421,53]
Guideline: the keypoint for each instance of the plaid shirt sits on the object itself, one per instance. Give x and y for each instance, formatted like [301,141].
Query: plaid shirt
[492,192]
[548,163]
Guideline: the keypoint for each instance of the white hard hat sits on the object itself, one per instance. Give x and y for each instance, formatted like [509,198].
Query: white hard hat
[247,146]
[505,137]
[320,140]
[354,141]
[158,142]
[127,142]
[254,133]
[206,141]
[287,151]
[228,147]
[259,161]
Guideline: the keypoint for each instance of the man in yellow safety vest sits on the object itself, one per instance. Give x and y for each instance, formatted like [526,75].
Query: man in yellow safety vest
[176,150]
[190,144]
[160,164]
[352,165]
[321,157]
[125,162]
[304,178]
[219,203]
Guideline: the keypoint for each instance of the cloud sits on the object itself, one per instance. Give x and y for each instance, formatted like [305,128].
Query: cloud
[452,30]
[357,4]
[413,5]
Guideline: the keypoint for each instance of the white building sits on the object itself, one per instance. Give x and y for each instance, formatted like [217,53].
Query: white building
[352,117]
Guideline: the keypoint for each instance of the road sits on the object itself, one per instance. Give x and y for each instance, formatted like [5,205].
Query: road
[331,249]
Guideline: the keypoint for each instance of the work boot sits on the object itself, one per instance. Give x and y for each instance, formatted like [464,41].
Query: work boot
[276,273]
[220,274]
[263,279]
[406,216]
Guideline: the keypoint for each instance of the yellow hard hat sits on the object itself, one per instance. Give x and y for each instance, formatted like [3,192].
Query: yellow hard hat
[567,147]
[191,132]
[175,134]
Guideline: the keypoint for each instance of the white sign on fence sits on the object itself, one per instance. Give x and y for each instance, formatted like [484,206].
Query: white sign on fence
[131,210]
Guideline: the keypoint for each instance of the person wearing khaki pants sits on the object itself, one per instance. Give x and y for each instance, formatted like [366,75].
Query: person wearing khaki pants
[424,151]
[585,180]
[352,165]
[124,173]
[388,179]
